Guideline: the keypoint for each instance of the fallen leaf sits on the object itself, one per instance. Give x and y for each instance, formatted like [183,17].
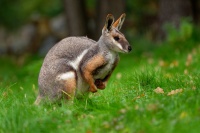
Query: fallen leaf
[136,107]
[68,121]
[119,76]
[162,63]
[158,90]
[173,92]
[194,87]
[106,124]
[175,63]
[89,131]
[185,71]
[138,97]
[152,107]
[189,60]
[5,94]
[123,111]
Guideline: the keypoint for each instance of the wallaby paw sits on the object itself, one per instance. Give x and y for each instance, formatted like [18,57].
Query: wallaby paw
[93,90]
[100,84]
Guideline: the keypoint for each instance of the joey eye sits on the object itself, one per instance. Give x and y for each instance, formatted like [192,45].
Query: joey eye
[116,38]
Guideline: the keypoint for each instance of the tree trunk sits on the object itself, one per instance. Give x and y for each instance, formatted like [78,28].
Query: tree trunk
[104,7]
[196,10]
[76,17]
[171,11]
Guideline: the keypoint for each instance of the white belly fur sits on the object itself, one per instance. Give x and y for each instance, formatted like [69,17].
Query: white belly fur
[104,72]
[82,86]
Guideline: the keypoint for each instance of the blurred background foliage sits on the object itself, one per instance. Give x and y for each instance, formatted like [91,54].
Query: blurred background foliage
[14,14]
[33,27]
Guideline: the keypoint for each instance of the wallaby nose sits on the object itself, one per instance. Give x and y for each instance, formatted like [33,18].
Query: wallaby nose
[129,48]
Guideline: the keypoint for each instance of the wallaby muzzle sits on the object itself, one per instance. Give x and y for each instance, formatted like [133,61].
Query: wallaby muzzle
[129,48]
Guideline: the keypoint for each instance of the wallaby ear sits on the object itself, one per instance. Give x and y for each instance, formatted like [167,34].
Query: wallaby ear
[109,22]
[118,24]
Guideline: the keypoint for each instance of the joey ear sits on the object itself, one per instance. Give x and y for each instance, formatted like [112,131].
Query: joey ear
[109,22]
[118,24]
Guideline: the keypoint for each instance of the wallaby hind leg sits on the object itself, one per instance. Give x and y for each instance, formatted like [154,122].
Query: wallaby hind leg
[70,88]
[68,80]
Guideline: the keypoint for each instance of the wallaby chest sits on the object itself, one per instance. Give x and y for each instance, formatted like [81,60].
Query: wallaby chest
[104,70]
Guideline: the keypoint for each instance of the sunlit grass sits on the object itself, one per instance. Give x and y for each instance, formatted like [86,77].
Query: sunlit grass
[128,104]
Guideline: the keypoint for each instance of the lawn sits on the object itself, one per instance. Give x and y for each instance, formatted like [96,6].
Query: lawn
[151,90]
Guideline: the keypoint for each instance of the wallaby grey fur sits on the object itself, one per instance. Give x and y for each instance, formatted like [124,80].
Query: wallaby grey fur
[77,65]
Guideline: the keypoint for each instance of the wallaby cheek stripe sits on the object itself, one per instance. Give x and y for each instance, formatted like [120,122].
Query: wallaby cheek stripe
[76,62]
[66,76]
[117,44]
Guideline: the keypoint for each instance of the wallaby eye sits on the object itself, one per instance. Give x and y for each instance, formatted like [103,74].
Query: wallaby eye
[116,38]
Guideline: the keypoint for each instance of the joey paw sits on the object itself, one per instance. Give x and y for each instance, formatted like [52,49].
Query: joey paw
[93,90]
[100,84]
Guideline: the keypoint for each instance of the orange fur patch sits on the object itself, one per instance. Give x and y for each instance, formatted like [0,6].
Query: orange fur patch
[101,84]
[118,21]
[70,87]
[91,65]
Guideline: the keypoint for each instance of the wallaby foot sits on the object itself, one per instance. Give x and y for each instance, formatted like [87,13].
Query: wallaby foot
[100,84]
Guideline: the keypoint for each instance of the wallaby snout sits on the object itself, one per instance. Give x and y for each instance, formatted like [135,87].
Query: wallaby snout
[120,43]
[125,46]
[129,48]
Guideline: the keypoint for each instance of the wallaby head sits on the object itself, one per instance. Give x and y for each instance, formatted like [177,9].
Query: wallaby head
[112,37]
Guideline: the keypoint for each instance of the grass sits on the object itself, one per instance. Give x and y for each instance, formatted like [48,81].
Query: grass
[128,104]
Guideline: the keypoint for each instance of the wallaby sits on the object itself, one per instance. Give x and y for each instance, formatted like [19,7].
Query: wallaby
[77,65]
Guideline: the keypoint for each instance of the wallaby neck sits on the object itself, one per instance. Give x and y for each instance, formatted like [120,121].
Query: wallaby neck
[100,41]
[104,46]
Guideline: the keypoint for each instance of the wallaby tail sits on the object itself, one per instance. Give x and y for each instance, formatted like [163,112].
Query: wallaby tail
[38,100]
